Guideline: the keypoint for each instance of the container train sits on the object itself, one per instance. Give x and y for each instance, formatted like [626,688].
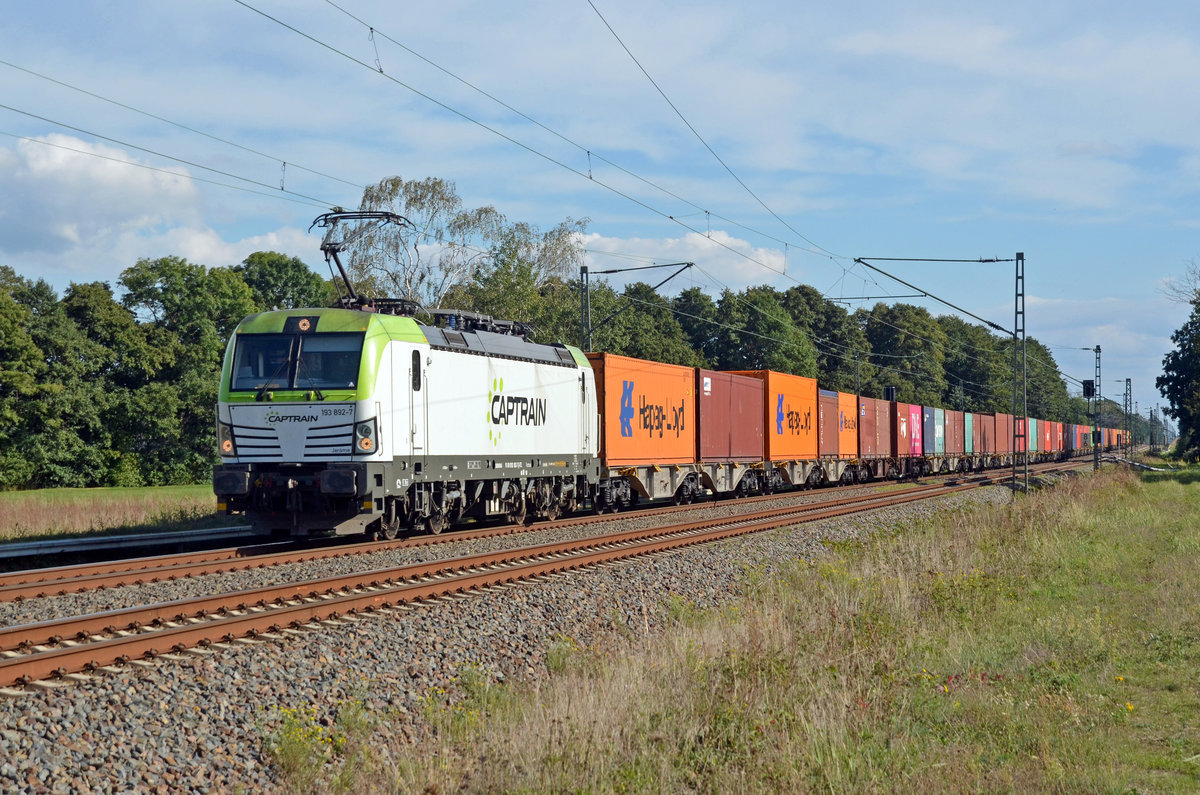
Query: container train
[356,420]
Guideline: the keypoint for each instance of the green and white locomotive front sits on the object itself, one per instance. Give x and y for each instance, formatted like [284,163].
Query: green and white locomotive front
[348,421]
[300,428]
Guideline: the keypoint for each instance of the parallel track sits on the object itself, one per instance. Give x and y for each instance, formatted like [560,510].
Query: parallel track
[62,648]
[57,581]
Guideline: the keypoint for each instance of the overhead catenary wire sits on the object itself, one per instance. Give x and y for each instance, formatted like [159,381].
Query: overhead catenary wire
[181,160]
[273,194]
[313,199]
[699,137]
[179,125]
[466,117]
[589,152]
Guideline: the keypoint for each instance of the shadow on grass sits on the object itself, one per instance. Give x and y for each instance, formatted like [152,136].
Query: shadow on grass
[1183,476]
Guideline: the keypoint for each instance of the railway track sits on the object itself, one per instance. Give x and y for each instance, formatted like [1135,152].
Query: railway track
[61,580]
[51,652]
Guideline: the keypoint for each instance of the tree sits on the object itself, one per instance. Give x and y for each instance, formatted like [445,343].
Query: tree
[522,282]
[1046,392]
[554,254]
[758,334]
[21,364]
[697,315]
[1180,383]
[422,262]
[1184,289]
[191,310]
[278,281]
[909,347]
[643,326]
[978,377]
[843,351]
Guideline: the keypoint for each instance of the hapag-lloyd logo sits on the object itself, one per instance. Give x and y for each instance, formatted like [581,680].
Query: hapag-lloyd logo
[274,417]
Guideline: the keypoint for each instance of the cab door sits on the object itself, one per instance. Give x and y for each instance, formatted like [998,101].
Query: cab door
[418,409]
[587,413]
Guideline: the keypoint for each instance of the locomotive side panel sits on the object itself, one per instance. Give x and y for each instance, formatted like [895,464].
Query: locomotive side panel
[484,407]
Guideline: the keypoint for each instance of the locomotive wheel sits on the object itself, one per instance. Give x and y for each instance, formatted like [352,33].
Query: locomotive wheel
[516,513]
[435,523]
[387,530]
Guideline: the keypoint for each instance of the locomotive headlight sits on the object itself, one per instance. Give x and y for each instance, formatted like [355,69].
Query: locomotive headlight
[365,437]
[225,441]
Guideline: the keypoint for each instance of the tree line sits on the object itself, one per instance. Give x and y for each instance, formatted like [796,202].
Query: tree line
[104,387]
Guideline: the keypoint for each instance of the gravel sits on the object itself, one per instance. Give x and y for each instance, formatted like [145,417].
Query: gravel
[197,722]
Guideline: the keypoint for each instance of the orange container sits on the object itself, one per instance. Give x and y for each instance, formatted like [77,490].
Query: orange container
[847,425]
[647,411]
[790,421]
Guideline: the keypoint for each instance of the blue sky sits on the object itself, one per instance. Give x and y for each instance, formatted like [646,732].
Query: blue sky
[1067,131]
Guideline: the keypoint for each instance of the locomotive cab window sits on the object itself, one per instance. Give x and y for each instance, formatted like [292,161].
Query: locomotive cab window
[329,361]
[286,361]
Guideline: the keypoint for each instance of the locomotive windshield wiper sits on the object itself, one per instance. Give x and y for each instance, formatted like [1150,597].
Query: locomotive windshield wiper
[308,374]
[267,384]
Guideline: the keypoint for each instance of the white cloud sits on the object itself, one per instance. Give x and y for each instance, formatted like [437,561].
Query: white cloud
[74,211]
[722,259]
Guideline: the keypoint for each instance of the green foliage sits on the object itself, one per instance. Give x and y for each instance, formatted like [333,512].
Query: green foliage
[278,281]
[758,334]
[978,377]
[1180,383]
[843,350]
[910,346]
[642,325]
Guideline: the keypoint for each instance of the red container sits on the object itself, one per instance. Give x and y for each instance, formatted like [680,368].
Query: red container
[915,424]
[647,411]
[790,419]
[955,431]
[1046,430]
[730,416]
[827,423]
[977,423]
[985,427]
[1004,433]
[900,429]
[875,428]
[847,425]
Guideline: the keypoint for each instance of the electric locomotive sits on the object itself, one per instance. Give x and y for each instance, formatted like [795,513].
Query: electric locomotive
[362,419]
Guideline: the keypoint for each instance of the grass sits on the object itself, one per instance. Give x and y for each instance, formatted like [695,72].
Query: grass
[1047,646]
[46,513]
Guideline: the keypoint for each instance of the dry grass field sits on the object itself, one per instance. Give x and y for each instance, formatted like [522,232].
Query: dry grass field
[1050,645]
[30,515]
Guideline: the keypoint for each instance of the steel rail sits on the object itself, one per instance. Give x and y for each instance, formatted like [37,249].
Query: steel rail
[80,578]
[58,581]
[303,603]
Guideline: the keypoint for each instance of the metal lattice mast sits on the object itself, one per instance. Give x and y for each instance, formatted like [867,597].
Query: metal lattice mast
[1020,376]
[1096,416]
